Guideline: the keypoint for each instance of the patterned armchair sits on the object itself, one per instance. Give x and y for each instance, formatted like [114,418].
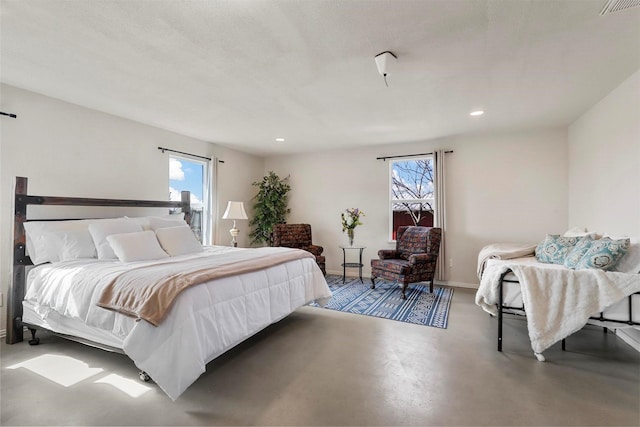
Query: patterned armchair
[298,236]
[413,260]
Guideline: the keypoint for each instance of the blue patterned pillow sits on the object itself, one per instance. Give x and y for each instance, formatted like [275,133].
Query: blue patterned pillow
[555,248]
[604,253]
[578,251]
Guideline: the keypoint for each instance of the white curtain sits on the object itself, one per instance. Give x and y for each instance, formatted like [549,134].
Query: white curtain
[440,219]
[209,226]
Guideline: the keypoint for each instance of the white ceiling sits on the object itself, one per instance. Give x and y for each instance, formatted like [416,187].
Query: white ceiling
[241,73]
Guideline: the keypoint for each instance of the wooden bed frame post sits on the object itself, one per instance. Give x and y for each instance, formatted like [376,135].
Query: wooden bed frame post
[16,287]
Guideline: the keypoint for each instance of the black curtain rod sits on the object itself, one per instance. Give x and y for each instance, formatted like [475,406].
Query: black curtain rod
[13,116]
[409,155]
[188,154]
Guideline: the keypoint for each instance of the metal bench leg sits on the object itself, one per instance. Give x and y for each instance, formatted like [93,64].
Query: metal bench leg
[500,318]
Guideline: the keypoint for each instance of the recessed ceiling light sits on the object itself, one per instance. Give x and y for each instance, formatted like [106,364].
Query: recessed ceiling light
[476,113]
[280,139]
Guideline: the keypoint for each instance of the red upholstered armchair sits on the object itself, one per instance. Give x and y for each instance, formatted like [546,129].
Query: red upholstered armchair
[413,260]
[298,236]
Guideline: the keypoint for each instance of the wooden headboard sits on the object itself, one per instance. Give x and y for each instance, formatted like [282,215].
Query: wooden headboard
[21,259]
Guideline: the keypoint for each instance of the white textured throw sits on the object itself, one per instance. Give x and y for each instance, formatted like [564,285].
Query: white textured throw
[503,251]
[558,301]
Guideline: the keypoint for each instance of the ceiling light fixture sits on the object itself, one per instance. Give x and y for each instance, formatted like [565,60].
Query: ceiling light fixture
[476,113]
[280,139]
[383,62]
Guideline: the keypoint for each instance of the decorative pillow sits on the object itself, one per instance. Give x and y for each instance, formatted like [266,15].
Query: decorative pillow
[100,231]
[554,249]
[75,244]
[604,254]
[178,240]
[539,247]
[43,245]
[155,223]
[578,251]
[629,263]
[138,246]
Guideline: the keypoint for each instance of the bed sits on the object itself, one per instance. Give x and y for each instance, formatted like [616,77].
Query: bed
[556,300]
[216,298]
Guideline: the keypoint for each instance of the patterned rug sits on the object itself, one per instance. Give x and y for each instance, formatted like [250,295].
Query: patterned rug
[421,307]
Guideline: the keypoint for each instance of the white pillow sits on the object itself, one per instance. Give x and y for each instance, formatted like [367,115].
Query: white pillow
[100,231]
[42,245]
[156,223]
[138,246]
[75,244]
[178,240]
[579,232]
[144,221]
[630,262]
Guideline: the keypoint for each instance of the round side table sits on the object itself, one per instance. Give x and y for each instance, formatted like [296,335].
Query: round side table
[346,264]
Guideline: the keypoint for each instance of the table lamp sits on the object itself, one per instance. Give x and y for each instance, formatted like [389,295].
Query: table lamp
[235,210]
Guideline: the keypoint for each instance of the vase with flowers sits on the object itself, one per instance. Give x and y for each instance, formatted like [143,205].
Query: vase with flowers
[350,220]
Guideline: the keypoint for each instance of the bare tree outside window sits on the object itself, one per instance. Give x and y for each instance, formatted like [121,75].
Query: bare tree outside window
[412,198]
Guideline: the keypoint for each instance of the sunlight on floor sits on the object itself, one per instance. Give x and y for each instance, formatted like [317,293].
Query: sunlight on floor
[132,387]
[63,370]
[67,371]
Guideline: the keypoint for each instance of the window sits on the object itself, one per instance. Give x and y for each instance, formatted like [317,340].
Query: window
[192,175]
[411,200]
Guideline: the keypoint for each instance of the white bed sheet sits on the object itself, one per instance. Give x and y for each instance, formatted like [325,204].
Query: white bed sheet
[205,321]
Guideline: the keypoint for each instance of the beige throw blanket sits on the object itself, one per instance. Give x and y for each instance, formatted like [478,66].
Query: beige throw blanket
[558,301]
[503,251]
[148,292]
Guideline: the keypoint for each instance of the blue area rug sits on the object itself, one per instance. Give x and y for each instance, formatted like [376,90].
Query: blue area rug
[421,307]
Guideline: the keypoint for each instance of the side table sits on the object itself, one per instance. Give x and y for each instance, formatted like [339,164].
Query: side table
[346,264]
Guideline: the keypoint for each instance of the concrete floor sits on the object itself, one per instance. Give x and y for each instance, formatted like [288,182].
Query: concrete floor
[321,367]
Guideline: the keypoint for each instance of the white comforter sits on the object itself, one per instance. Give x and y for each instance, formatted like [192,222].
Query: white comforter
[558,301]
[205,321]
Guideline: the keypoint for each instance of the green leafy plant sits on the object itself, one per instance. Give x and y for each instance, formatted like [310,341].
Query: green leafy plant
[270,207]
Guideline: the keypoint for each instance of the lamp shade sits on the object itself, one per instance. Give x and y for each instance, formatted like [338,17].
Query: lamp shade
[235,210]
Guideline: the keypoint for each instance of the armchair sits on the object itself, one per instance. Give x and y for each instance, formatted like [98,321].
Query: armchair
[298,236]
[413,260]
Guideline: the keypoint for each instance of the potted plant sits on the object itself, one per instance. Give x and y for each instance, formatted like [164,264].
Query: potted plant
[270,207]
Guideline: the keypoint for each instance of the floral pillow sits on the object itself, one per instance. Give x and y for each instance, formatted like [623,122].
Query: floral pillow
[578,251]
[555,248]
[630,263]
[604,254]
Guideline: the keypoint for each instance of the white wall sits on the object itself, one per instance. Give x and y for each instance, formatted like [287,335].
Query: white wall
[604,168]
[68,150]
[500,187]
[604,163]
